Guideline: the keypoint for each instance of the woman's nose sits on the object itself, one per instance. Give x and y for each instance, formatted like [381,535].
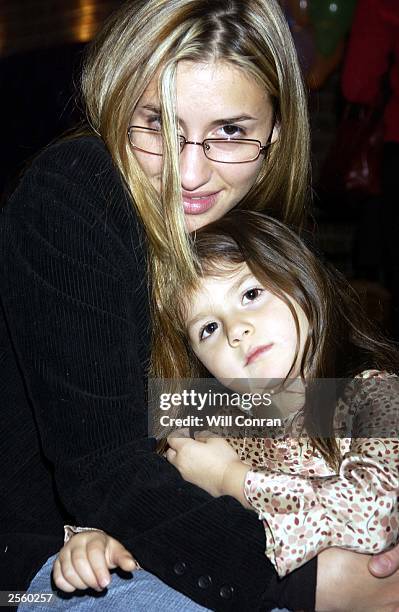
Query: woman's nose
[195,168]
[237,332]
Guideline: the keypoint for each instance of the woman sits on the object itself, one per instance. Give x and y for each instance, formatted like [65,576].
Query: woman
[75,298]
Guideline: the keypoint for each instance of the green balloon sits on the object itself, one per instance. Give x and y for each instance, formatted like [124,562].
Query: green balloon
[331,20]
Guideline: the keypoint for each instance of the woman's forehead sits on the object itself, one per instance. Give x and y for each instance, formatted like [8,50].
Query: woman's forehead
[212,91]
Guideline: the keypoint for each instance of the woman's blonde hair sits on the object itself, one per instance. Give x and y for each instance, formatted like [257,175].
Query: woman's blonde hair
[147,39]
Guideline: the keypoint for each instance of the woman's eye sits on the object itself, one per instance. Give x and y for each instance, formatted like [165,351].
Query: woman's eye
[155,122]
[208,330]
[229,131]
[252,294]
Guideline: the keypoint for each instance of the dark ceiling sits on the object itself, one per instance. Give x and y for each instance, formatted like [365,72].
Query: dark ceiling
[33,24]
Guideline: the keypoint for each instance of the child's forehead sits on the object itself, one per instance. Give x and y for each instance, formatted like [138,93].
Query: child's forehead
[226,273]
[216,285]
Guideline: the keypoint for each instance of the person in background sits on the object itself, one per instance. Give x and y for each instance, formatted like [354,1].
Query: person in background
[371,78]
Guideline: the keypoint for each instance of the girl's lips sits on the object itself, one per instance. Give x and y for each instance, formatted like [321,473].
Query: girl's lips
[255,353]
[196,205]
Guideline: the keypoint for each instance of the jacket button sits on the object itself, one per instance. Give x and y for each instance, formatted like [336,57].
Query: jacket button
[204,582]
[180,568]
[226,592]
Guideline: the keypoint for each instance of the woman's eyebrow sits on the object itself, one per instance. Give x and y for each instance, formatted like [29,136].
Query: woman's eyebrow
[150,107]
[233,119]
[223,120]
[226,120]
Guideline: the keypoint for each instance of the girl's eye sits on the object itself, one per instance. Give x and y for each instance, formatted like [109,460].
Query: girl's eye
[229,131]
[252,294]
[207,330]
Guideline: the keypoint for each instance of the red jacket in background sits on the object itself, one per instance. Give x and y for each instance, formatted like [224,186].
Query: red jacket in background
[373,49]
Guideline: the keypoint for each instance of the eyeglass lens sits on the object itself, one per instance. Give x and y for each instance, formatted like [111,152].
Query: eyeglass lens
[215,150]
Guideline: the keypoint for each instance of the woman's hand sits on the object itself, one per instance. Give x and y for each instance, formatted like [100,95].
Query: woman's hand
[385,564]
[204,461]
[84,562]
[345,583]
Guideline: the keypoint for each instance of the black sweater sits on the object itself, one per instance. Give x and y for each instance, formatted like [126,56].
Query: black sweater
[73,444]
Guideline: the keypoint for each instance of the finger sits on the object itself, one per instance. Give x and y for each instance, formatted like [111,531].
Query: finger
[99,566]
[202,436]
[119,556]
[127,563]
[385,564]
[178,443]
[82,567]
[184,432]
[69,573]
[171,455]
[59,579]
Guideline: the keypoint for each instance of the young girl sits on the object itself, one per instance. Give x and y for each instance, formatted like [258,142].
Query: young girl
[265,308]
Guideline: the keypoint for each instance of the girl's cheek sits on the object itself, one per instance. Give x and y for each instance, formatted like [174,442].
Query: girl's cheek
[205,358]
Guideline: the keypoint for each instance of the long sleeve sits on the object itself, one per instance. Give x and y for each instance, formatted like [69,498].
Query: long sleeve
[75,300]
[357,509]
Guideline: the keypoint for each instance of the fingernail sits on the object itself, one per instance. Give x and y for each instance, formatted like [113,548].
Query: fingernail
[104,582]
[381,565]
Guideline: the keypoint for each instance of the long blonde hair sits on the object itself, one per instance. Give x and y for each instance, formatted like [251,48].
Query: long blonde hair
[147,39]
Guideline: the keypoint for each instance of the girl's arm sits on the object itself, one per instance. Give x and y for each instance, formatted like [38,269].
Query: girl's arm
[356,509]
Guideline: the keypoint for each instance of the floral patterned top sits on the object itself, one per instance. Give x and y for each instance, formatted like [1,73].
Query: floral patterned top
[305,505]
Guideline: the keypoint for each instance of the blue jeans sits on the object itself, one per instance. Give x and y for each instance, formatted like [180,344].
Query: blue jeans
[142,593]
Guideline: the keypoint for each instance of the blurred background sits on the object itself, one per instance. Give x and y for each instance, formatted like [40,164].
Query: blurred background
[349,52]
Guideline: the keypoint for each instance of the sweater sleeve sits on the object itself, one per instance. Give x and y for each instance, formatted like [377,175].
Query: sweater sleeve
[357,508]
[75,301]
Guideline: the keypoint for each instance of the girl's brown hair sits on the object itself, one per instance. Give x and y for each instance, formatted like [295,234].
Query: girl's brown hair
[341,341]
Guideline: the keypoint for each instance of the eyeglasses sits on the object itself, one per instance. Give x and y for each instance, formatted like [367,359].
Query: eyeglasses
[222,150]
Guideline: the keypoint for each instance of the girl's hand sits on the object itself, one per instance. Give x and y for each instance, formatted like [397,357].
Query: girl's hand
[84,562]
[203,461]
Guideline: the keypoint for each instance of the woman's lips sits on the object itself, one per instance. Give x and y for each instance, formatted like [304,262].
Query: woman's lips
[196,205]
[257,352]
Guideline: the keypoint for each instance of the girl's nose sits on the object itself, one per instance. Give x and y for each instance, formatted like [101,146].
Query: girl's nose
[195,168]
[237,332]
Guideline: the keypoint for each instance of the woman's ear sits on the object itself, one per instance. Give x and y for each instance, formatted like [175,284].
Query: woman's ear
[276,132]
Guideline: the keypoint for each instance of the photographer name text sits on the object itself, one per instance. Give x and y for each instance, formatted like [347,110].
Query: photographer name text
[225,420]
